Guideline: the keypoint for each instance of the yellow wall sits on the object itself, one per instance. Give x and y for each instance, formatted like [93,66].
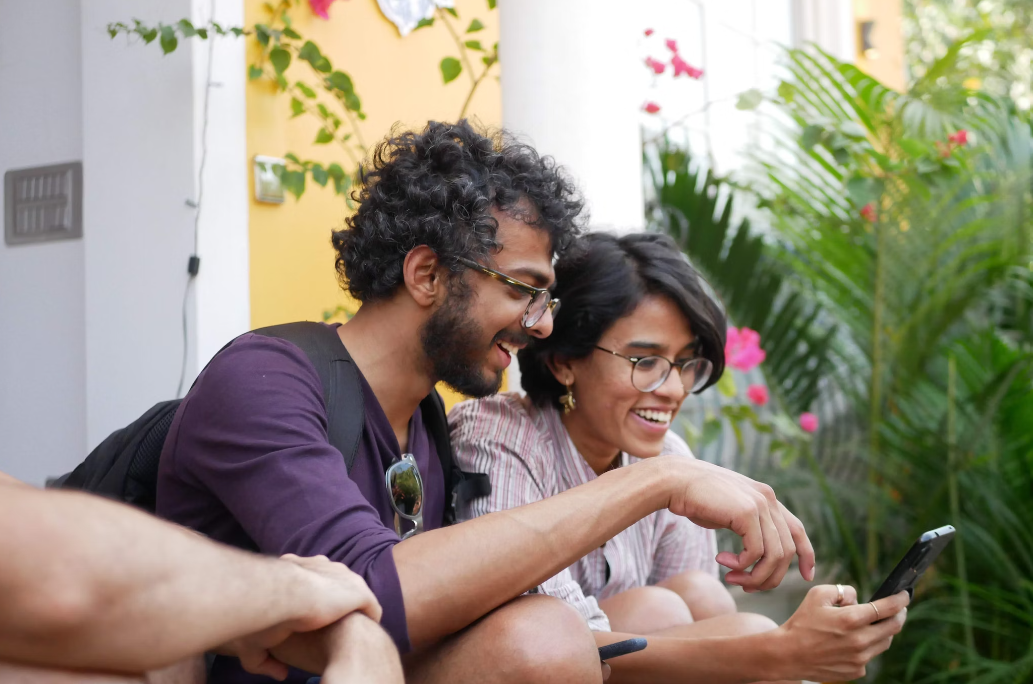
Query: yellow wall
[399,81]
[887,63]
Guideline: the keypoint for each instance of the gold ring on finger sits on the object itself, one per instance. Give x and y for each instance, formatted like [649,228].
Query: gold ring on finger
[840,595]
[877,618]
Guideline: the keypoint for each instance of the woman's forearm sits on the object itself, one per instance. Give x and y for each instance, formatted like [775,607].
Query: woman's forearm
[714,660]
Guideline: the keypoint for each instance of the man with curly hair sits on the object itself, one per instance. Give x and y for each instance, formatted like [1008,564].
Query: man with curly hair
[450,253]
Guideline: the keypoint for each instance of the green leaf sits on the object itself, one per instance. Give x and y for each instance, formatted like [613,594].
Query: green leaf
[335,171]
[749,100]
[786,91]
[310,52]
[323,66]
[320,175]
[342,183]
[711,431]
[290,156]
[726,385]
[280,59]
[262,34]
[475,26]
[294,182]
[186,28]
[424,22]
[912,147]
[852,129]
[297,107]
[474,45]
[168,39]
[340,81]
[811,136]
[237,31]
[149,35]
[352,102]
[323,137]
[452,11]
[864,190]
[323,111]
[291,33]
[112,30]
[202,33]
[305,90]
[281,82]
[254,72]
[488,60]
[450,69]
[491,4]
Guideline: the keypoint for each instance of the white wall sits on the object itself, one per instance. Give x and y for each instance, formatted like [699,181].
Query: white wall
[42,358]
[91,330]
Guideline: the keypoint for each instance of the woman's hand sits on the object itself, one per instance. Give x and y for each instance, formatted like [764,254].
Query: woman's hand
[828,641]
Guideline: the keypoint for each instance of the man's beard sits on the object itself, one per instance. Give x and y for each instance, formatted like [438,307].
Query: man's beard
[450,340]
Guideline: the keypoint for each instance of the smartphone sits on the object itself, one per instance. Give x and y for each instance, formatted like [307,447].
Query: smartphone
[619,648]
[920,556]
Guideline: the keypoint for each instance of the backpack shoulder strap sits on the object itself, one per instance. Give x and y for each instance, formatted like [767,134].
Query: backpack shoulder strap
[459,486]
[342,393]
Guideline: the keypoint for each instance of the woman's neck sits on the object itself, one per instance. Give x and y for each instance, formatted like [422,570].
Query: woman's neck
[598,454]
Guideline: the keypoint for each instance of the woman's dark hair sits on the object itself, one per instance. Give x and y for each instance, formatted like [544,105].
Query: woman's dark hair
[437,188]
[602,280]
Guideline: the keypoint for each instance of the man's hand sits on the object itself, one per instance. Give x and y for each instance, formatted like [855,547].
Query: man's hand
[825,641]
[325,592]
[718,498]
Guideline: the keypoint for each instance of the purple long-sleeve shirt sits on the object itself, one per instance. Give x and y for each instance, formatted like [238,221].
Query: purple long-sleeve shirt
[247,462]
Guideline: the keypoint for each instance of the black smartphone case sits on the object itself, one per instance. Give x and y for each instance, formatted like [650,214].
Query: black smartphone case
[919,557]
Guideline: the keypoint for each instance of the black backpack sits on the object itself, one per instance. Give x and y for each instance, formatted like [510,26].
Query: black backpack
[124,466]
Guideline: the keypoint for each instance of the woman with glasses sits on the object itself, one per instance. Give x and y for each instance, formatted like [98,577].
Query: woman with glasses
[637,335]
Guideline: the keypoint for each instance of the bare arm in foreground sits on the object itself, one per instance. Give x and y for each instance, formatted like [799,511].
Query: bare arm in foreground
[89,584]
[499,556]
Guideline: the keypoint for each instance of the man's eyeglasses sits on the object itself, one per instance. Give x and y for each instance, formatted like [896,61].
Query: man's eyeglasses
[405,489]
[541,298]
[650,372]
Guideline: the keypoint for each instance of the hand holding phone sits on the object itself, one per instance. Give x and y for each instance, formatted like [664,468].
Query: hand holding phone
[915,562]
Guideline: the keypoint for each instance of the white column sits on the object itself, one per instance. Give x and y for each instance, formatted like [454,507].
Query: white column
[142,121]
[569,70]
[223,295]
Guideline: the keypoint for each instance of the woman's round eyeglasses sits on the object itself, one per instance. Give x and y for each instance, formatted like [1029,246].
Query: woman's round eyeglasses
[648,373]
[541,298]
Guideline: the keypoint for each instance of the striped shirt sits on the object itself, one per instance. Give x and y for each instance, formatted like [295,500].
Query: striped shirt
[528,455]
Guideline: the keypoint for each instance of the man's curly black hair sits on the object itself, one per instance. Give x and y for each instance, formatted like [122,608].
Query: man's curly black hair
[437,188]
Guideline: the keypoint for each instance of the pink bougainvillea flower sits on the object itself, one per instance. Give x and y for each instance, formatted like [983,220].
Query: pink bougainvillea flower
[651,107]
[959,138]
[742,349]
[649,32]
[321,7]
[808,422]
[672,45]
[656,65]
[683,67]
[868,212]
[758,394]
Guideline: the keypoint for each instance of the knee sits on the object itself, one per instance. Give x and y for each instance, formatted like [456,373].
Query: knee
[665,607]
[544,640]
[704,594]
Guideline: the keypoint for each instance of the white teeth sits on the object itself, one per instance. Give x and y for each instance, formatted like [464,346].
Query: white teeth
[663,417]
[509,348]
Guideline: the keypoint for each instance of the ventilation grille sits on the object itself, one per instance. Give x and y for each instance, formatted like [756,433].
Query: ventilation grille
[43,203]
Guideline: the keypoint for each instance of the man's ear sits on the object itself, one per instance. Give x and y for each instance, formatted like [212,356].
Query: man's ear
[561,369]
[425,278]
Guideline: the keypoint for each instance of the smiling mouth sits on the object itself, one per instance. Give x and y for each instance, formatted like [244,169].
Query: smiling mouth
[655,417]
[508,348]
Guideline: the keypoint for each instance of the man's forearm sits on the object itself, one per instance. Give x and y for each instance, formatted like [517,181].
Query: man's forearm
[130,594]
[453,576]
[353,650]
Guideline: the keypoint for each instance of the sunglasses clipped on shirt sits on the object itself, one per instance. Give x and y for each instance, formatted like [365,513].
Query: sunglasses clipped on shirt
[405,490]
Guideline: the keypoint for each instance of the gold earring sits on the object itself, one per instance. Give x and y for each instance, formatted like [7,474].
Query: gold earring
[567,401]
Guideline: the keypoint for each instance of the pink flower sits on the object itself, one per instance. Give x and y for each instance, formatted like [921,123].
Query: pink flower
[651,107]
[672,45]
[683,67]
[656,65]
[742,349]
[320,7]
[959,138]
[868,212]
[758,394]
[808,422]
[649,32]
